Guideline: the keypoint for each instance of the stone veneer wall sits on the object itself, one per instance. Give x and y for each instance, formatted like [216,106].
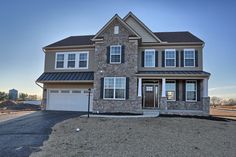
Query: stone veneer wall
[127,69]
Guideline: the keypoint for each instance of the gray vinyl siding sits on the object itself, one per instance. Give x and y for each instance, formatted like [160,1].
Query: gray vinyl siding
[179,49]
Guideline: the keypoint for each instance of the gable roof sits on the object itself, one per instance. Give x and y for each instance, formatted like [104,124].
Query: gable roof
[73,41]
[176,37]
[116,16]
[130,14]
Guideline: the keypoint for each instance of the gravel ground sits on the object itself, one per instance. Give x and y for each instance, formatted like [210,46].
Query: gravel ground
[141,137]
[7,115]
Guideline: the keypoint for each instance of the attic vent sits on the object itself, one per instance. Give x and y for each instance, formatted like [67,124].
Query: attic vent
[116,30]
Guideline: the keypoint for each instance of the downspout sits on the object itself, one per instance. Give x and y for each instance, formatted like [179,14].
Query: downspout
[38,84]
[42,95]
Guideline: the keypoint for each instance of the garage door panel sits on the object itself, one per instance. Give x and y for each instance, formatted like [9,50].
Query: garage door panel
[74,100]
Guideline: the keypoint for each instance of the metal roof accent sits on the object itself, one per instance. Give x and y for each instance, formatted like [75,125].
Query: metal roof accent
[66,76]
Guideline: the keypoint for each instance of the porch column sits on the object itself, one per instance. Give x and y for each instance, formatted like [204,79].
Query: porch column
[163,93]
[140,87]
[205,87]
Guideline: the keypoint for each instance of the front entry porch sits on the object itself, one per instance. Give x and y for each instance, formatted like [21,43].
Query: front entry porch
[182,96]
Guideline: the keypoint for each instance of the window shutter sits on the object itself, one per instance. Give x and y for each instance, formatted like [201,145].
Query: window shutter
[184,91]
[196,58]
[142,59]
[182,58]
[177,58]
[101,88]
[127,88]
[122,53]
[156,58]
[163,58]
[108,54]
[198,90]
[177,90]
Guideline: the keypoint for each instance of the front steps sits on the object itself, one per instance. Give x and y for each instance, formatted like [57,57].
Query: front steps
[151,113]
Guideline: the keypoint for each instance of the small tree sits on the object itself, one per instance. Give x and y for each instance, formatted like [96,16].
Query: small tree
[3,96]
[215,101]
[231,102]
[23,96]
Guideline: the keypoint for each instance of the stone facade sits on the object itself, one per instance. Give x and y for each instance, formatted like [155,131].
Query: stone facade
[206,104]
[127,69]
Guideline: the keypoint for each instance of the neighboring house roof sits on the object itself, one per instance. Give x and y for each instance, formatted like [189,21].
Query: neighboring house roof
[175,73]
[169,37]
[73,41]
[66,76]
[175,37]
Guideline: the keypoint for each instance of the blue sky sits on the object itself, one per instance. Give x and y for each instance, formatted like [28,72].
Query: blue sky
[28,25]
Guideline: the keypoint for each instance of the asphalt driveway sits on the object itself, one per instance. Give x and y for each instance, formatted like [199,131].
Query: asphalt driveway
[21,136]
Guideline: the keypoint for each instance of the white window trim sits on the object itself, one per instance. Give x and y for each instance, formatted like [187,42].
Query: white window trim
[87,60]
[116,29]
[63,60]
[67,60]
[76,60]
[189,58]
[120,54]
[175,89]
[154,58]
[186,98]
[114,89]
[170,58]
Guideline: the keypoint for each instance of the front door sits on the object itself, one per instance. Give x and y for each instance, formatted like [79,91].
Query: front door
[150,96]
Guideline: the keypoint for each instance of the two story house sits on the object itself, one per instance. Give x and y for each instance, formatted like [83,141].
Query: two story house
[129,69]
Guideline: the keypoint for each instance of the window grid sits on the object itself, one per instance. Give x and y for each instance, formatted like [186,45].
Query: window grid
[115,54]
[149,58]
[171,90]
[170,58]
[83,60]
[191,90]
[189,57]
[71,61]
[114,88]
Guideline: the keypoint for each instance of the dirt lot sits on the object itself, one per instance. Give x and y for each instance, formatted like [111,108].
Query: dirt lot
[139,137]
[224,111]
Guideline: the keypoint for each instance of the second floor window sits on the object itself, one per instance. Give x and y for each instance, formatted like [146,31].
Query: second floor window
[71,61]
[60,61]
[171,90]
[189,57]
[83,60]
[115,54]
[149,58]
[114,87]
[170,58]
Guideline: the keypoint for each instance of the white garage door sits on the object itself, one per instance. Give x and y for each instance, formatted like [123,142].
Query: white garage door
[69,100]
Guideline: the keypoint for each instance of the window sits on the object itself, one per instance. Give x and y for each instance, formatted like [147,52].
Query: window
[114,88]
[170,58]
[189,57]
[191,91]
[116,30]
[60,61]
[171,90]
[83,60]
[71,61]
[115,54]
[149,58]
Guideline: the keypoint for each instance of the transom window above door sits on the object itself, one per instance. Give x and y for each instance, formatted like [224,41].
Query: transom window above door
[115,54]
[170,58]
[72,60]
[149,58]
